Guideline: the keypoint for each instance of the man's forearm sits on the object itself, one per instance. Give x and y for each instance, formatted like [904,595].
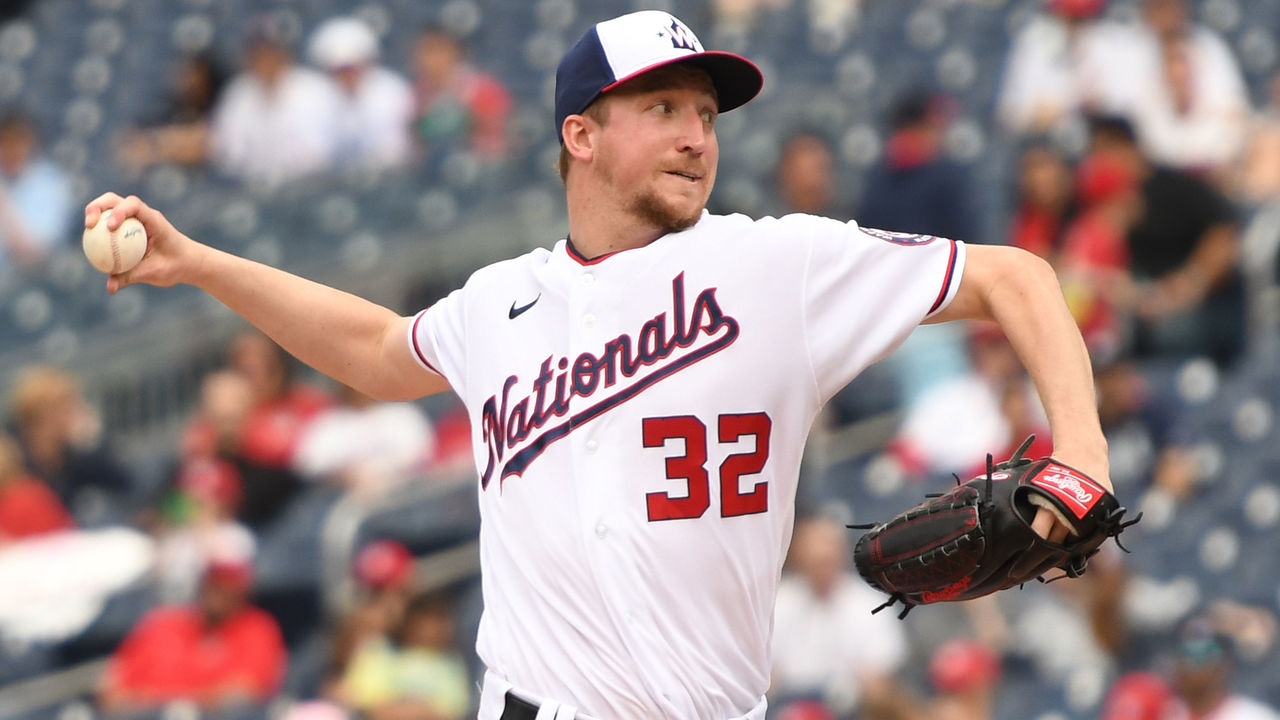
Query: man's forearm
[348,338]
[335,332]
[1032,313]
[1020,292]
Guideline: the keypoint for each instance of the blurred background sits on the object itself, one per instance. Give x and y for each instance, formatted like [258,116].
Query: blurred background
[192,526]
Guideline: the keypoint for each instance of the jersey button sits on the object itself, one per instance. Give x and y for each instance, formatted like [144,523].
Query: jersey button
[602,530]
[589,320]
[588,280]
[591,446]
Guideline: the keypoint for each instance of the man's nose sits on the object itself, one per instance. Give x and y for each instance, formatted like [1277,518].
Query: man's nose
[694,134]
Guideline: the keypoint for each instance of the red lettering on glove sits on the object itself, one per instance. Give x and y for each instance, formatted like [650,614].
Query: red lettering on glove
[953,590]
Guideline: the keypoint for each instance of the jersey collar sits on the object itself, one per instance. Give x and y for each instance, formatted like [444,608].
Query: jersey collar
[581,259]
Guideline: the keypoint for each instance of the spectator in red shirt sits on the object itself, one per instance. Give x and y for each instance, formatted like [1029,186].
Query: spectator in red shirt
[1108,191]
[226,398]
[966,675]
[1044,201]
[27,506]
[1138,696]
[1095,255]
[282,406]
[457,105]
[220,653]
[225,428]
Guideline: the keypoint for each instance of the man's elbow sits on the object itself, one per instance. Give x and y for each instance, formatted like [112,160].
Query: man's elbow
[1014,274]
[1019,279]
[1038,268]
[1022,269]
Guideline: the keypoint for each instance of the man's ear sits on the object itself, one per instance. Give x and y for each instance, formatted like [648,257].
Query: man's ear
[578,139]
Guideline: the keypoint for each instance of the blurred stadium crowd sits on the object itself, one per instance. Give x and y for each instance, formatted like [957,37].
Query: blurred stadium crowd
[191,526]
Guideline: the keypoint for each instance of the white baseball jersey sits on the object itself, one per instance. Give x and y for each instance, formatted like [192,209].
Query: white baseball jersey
[638,421]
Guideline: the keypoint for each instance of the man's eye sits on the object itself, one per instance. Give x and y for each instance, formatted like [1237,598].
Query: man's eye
[663,108]
[708,117]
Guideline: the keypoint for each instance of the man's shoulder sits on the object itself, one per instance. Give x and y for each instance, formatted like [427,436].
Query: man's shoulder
[739,225]
[502,270]
[711,224]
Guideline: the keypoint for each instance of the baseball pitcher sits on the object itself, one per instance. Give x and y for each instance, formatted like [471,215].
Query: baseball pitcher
[641,390]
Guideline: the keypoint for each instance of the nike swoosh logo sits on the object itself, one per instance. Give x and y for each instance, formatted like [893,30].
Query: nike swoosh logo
[516,312]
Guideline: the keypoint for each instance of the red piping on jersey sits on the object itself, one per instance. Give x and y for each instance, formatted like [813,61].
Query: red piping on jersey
[578,257]
[946,281]
[418,350]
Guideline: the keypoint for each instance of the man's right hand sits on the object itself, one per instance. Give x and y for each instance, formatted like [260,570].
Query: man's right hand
[171,257]
[357,342]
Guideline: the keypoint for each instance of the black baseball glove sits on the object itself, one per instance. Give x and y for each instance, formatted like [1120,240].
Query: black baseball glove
[977,538]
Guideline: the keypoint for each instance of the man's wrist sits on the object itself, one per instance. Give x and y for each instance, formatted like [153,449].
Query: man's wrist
[1092,461]
[199,263]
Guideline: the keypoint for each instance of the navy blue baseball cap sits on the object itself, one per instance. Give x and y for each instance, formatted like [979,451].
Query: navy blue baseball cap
[615,51]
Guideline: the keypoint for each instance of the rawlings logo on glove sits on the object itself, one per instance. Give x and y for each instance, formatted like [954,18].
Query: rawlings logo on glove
[1069,488]
[977,538]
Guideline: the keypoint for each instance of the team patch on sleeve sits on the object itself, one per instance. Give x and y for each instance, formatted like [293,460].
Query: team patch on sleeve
[899,238]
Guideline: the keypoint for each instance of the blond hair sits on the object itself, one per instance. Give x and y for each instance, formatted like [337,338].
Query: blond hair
[37,388]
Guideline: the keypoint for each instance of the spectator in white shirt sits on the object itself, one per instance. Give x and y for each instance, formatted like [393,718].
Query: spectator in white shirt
[366,446]
[1064,63]
[374,106]
[826,643]
[1191,108]
[273,122]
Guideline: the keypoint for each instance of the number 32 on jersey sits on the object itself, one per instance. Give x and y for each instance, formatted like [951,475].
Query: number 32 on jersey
[691,467]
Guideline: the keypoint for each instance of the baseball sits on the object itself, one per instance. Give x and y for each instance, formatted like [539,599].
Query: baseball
[115,252]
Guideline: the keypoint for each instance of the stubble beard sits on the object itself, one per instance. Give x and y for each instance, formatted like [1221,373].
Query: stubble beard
[648,207]
[653,210]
